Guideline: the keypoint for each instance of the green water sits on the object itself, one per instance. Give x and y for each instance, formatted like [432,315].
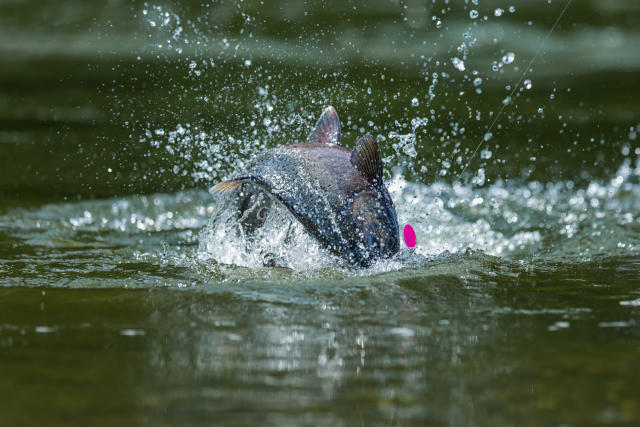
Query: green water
[520,305]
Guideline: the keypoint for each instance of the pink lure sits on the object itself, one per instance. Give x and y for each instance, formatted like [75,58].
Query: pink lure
[409,236]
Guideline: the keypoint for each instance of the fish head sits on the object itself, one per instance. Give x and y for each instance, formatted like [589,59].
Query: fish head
[375,226]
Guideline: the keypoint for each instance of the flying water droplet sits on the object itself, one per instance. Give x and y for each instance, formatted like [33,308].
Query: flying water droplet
[508,58]
[458,63]
[486,154]
[480,178]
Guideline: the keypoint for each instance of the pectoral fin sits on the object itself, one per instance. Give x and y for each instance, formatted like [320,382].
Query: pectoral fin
[366,158]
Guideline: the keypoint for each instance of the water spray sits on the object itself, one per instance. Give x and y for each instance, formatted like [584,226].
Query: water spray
[517,86]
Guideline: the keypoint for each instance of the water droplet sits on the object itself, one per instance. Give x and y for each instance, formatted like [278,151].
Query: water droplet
[247,62]
[480,178]
[512,9]
[415,102]
[473,14]
[527,84]
[540,110]
[508,58]
[457,62]
[477,81]
[498,12]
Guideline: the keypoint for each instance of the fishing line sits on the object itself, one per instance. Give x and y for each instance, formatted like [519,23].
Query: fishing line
[526,70]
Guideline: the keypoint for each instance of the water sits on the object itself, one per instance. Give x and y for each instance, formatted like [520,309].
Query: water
[122,302]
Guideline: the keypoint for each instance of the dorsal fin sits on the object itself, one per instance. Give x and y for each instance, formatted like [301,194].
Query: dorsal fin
[365,157]
[327,130]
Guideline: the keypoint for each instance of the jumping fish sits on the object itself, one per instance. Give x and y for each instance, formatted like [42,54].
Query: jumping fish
[337,194]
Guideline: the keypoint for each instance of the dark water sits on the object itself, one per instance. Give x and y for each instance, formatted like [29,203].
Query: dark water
[520,305]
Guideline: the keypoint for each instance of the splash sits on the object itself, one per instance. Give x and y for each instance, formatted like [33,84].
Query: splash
[519,222]
[280,242]
[179,239]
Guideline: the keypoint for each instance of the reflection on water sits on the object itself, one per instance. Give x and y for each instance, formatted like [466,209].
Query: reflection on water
[388,350]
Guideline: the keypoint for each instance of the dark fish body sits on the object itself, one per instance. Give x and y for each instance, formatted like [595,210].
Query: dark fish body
[337,194]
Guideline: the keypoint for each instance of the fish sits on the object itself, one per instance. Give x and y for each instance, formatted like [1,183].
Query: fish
[337,194]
